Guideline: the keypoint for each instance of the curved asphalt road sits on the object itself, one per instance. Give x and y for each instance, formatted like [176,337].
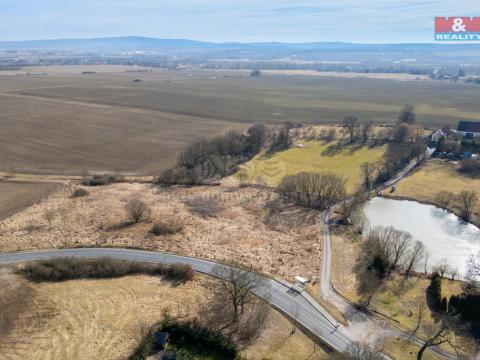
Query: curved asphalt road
[278,293]
[326,290]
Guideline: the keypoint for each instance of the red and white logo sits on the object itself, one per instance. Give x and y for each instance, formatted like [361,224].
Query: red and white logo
[457,28]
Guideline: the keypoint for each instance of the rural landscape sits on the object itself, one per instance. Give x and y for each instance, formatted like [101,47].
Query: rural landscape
[181,199]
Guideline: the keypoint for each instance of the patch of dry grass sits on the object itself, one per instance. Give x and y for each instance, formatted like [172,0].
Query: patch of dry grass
[401,349]
[252,228]
[105,319]
[435,176]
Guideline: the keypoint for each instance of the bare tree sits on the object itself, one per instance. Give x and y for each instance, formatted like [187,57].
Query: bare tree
[420,307]
[440,333]
[407,115]
[467,198]
[416,255]
[350,123]
[49,215]
[442,267]
[237,287]
[370,283]
[366,128]
[387,247]
[425,264]
[243,177]
[473,269]
[359,221]
[137,210]
[453,273]
[368,173]
[400,242]
[444,199]
[256,137]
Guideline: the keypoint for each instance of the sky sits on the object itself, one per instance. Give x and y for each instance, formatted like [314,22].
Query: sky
[361,21]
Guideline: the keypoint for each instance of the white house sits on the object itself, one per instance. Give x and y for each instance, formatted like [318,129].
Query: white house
[441,133]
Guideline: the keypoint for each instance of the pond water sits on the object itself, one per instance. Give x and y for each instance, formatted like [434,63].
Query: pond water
[443,233]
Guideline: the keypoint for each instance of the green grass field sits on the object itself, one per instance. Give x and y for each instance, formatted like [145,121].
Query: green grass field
[314,157]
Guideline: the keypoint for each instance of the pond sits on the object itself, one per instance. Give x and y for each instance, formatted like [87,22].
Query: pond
[443,233]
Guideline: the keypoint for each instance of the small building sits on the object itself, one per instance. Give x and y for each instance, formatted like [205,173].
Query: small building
[469,129]
[441,133]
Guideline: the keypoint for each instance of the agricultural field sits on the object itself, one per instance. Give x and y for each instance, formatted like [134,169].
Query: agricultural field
[16,196]
[61,120]
[105,319]
[314,157]
[437,175]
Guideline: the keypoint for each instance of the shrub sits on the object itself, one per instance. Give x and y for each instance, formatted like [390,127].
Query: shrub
[255,72]
[205,207]
[80,192]
[200,340]
[63,269]
[164,228]
[466,305]
[435,291]
[138,210]
[100,180]
[470,167]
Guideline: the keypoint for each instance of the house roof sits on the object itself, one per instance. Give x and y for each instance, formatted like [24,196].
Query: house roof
[469,126]
[447,130]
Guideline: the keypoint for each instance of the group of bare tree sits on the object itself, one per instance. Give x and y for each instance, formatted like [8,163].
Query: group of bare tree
[357,129]
[208,159]
[312,190]
[467,199]
[387,250]
[406,143]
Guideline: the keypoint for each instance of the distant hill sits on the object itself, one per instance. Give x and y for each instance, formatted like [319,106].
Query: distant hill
[146,43]
[315,51]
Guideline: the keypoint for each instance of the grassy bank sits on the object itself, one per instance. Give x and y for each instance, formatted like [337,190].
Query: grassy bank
[432,178]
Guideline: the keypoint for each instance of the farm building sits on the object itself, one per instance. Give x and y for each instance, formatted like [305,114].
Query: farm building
[469,129]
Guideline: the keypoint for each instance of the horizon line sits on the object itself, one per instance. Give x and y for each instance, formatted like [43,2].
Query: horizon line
[433,42]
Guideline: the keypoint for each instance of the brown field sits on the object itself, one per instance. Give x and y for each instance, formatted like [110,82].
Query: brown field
[349,75]
[67,123]
[64,137]
[16,196]
[105,319]
[253,228]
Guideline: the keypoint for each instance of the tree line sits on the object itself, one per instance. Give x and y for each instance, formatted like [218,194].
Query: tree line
[212,159]
[406,143]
